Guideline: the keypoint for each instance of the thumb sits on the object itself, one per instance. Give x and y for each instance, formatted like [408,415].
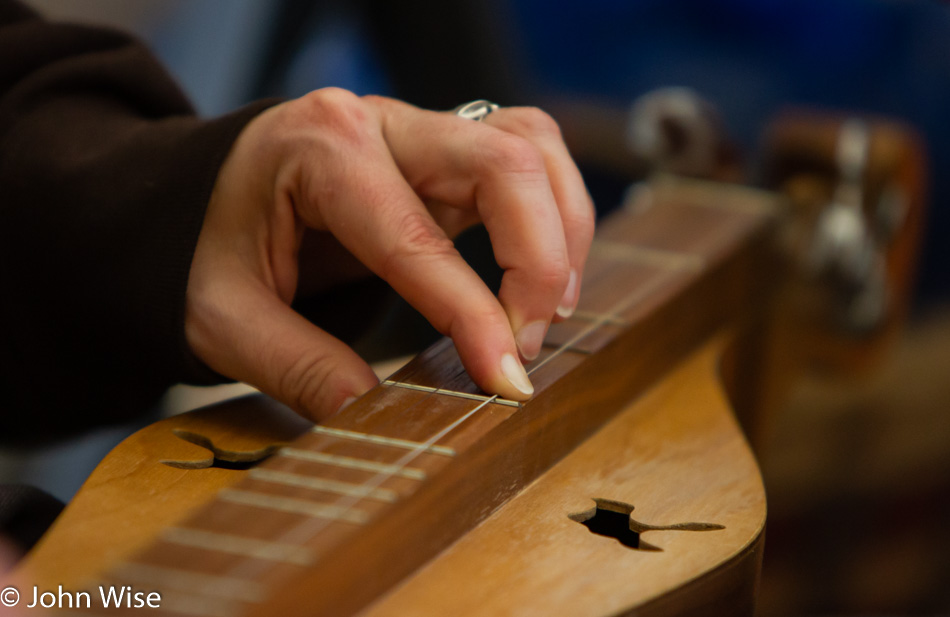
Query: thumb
[253,336]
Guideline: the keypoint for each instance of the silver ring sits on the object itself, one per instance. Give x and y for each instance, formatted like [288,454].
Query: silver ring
[476,110]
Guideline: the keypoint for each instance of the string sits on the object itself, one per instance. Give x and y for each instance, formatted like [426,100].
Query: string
[307,530]
[625,304]
[348,502]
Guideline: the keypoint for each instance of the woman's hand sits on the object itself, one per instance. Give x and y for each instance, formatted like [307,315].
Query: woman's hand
[393,184]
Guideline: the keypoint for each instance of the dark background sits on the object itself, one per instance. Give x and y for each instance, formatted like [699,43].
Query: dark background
[858,474]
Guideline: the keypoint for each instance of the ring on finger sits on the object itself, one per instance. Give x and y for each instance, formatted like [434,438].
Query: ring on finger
[476,110]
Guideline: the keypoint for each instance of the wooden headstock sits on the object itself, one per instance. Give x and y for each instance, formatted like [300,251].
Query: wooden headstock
[856,190]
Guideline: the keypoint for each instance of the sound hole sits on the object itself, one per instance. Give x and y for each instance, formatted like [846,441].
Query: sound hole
[611,519]
[220,463]
[220,458]
[615,525]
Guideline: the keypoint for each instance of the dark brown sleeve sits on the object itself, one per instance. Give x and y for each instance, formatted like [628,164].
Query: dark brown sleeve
[105,173]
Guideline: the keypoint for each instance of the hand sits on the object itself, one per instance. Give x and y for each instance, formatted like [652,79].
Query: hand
[393,184]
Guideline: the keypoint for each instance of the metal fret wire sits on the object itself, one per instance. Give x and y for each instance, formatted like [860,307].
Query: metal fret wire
[309,529]
[629,302]
[244,570]
[305,531]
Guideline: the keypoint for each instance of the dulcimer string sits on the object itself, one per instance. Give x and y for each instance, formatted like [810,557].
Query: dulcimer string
[660,265]
[305,531]
[632,262]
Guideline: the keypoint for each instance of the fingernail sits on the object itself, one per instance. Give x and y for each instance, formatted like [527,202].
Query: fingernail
[513,371]
[346,403]
[566,308]
[530,338]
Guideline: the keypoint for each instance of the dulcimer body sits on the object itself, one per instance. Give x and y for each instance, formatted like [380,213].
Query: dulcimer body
[427,496]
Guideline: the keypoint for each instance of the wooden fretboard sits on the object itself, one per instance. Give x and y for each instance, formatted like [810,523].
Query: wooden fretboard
[353,506]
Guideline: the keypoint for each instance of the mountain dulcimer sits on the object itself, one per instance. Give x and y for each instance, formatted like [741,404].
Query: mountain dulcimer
[625,484]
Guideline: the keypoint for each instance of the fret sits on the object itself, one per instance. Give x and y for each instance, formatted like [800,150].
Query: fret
[561,333]
[387,441]
[612,282]
[636,296]
[562,348]
[737,198]
[609,320]
[626,284]
[294,506]
[702,230]
[666,188]
[214,585]
[322,484]
[239,545]
[349,462]
[437,368]
[661,258]
[465,395]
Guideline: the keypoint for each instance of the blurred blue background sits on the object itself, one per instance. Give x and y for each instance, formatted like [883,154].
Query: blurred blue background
[833,548]
[749,58]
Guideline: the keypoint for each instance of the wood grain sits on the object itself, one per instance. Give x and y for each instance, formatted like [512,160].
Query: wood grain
[677,454]
[131,496]
[673,275]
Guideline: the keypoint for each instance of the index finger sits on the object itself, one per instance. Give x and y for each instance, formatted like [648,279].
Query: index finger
[363,199]
[504,176]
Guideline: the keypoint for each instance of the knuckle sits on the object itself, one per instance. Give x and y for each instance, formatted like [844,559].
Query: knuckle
[581,223]
[506,153]
[336,110]
[308,381]
[376,100]
[534,121]
[415,236]
[328,99]
[553,274]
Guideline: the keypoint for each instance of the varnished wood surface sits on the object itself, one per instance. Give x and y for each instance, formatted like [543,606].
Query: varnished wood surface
[132,495]
[661,280]
[678,455]
[677,310]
